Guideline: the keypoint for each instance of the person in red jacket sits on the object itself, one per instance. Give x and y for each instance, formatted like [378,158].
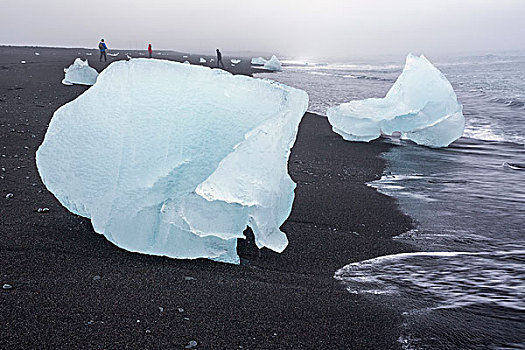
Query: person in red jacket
[150,50]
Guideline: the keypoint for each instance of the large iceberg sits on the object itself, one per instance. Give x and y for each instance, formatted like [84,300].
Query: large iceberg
[176,160]
[80,73]
[273,64]
[258,61]
[421,106]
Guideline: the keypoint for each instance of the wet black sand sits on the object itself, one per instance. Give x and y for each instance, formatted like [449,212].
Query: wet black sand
[72,289]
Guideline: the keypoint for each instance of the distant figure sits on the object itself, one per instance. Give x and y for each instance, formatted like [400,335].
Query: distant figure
[102,47]
[219,59]
[150,51]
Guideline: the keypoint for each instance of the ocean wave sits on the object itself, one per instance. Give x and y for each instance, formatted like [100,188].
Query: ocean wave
[366,67]
[322,73]
[387,68]
[483,134]
[350,76]
[514,166]
[509,102]
[442,279]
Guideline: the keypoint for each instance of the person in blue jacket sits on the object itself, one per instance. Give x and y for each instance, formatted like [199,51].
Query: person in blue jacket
[102,47]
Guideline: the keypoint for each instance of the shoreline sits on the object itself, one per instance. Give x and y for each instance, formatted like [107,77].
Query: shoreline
[74,289]
[15,54]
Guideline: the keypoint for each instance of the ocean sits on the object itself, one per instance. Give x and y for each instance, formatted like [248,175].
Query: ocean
[464,288]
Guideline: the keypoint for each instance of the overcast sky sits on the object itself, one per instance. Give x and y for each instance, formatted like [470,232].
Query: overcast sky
[313,28]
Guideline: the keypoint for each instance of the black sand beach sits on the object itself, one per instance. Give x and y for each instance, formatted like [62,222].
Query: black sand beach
[72,289]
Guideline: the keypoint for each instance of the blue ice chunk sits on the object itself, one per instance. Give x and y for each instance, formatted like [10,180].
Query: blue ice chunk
[421,106]
[177,160]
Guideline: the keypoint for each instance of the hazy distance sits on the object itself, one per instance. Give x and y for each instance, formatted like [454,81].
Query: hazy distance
[321,28]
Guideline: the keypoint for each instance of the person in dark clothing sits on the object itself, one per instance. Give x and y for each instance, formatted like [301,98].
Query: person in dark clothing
[150,51]
[219,59]
[102,47]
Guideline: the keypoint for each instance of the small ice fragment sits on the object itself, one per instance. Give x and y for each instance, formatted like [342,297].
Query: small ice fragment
[189,278]
[235,61]
[186,62]
[88,54]
[113,54]
[128,57]
[180,309]
[148,331]
[273,64]
[161,309]
[191,344]
[202,60]
[96,278]
[211,59]
[80,73]
[9,195]
[23,62]
[42,210]
[37,54]
[258,61]
[7,286]
[185,56]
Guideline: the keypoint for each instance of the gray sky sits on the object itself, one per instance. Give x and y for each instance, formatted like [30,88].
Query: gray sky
[311,28]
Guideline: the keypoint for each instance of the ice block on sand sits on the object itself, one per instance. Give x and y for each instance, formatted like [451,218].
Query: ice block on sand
[421,106]
[176,160]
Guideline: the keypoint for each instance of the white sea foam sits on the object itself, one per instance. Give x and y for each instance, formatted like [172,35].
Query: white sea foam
[448,279]
[485,133]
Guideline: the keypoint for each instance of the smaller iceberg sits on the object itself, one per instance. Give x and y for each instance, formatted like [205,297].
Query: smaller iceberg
[258,61]
[421,106]
[80,73]
[202,60]
[235,61]
[273,64]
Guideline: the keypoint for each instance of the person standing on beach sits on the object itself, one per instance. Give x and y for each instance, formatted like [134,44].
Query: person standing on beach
[150,51]
[219,59]
[102,47]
